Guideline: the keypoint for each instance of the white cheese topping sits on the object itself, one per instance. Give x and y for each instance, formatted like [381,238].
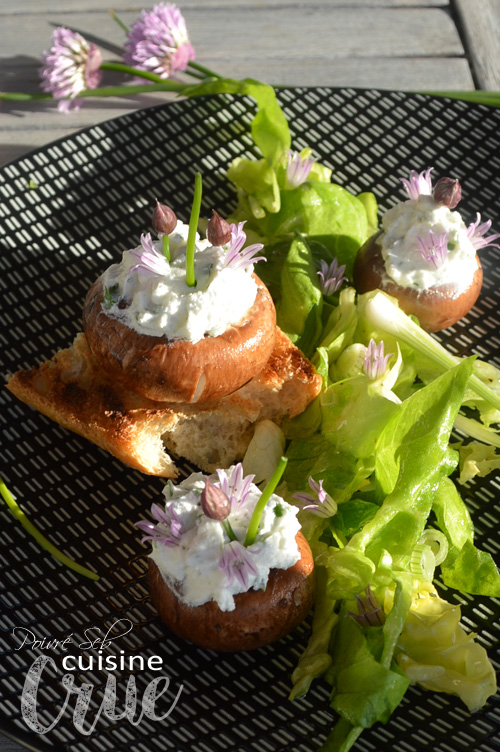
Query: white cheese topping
[192,569]
[405,265]
[164,306]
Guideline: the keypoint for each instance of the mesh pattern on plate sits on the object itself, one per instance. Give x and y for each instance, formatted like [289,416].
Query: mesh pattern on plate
[93,197]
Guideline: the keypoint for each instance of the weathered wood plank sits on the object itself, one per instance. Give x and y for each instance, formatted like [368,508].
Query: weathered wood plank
[481,28]
[69,6]
[283,46]
[256,32]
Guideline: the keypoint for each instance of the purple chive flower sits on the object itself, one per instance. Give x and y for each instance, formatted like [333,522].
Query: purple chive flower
[158,42]
[218,230]
[169,527]
[233,257]
[214,502]
[477,231]
[370,612]
[321,503]
[237,563]
[236,487]
[433,248]
[298,169]
[375,362]
[419,184]
[331,276]
[447,192]
[71,65]
[150,262]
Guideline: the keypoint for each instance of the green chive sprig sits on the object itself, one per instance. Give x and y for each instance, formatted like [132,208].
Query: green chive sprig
[41,539]
[253,525]
[193,226]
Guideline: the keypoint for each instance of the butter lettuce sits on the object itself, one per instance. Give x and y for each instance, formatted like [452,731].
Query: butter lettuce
[435,651]
[380,446]
[477,459]
[301,304]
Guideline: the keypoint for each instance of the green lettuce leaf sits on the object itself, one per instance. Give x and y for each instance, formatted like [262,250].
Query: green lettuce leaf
[364,690]
[270,131]
[477,459]
[354,415]
[452,515]
[472,571]
[412,456]
[299,311]
[435,652]
[316,659]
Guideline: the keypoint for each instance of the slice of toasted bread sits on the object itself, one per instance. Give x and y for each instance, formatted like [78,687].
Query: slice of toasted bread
[72,390]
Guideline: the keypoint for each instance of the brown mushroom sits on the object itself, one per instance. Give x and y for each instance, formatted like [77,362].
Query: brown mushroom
[259,618]
[436,308]
[178,370]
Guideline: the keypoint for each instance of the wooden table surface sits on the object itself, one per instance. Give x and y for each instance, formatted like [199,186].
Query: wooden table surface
[388,44]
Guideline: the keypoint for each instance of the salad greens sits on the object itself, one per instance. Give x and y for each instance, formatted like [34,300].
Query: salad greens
[376,443]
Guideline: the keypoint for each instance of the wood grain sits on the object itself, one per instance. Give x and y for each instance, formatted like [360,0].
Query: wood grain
[401,44]
[320,32]
[481,30]
[52,6]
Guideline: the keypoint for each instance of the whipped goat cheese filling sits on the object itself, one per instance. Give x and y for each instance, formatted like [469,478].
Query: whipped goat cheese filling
[192,568]
[404,264]
[165,306]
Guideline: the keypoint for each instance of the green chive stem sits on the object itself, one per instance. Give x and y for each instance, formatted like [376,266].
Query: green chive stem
[229,530]
[165,240]
[198,76]
[253,525]
[387,316]
[479,96]
[107,91]
[37,535]
[203,69]
[193,226]
[19,96]
[122,68]
[118,21]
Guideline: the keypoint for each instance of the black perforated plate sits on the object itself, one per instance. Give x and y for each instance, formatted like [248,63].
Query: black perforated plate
[66,212]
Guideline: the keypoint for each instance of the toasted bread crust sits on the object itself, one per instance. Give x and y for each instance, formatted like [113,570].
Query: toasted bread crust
[72,390]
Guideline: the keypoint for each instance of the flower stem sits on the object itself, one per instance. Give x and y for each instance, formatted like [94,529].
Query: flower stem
[119,91]
[37,535]
[19,96]
[384,314]
[193,226]
[476,430]
[253,525]
[165,241]
[479,96]
[105,91]
[122,68]
[203,69]
[198,76]
[118,21]
[229,530]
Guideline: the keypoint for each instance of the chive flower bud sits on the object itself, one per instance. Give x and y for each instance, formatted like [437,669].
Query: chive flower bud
[214,502]
[164,219]
[447,192]
[218,230]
